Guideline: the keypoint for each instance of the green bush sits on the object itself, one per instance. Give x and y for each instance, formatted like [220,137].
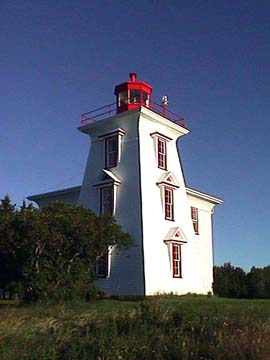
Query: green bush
[49,254]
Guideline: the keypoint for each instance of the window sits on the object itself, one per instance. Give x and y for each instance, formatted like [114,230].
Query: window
[168,201]
[122,98]
[162,154]
[194,217]
[174,240]
[146,98]
[111,151]
[113,145]
[107,193]
[176,261]
[167,184]
[135,96]
[101,267]
[106,200]
[160,144]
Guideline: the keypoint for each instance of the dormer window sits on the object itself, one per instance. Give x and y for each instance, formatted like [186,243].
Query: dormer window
[160,144]
[113,145]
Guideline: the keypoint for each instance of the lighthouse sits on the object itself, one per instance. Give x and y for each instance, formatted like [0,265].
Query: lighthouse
[134,173]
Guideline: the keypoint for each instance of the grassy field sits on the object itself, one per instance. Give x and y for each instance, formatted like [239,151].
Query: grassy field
[165,327]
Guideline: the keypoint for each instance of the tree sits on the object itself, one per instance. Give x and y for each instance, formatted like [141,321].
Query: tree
[230,281]
[8,268]
[267,281]
[56,248]
[7,213]
[258,283]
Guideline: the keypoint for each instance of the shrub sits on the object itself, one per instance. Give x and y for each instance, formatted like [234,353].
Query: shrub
[50,253]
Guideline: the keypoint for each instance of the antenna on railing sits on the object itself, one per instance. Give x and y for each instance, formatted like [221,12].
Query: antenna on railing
[165,102]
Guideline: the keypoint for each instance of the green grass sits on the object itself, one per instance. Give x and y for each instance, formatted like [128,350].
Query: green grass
[163,327]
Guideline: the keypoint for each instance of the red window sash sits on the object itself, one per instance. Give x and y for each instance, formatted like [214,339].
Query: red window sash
[169,204]
[176,261]
[162,153]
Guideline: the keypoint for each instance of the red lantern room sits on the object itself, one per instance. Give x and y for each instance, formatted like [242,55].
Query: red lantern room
[132,94]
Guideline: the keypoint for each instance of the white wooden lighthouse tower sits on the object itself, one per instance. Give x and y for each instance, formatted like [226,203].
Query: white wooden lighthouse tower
[134,173]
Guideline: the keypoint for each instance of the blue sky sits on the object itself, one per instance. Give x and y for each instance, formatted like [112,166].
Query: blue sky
[59,59]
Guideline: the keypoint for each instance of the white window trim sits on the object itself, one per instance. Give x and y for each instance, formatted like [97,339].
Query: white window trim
[180,261]
[170,244]
[114,141]
[195,221]
[112,180]
[101,198]
[119,132]
[175,235]
[162,156]
[163,183]
[171,203]
[155,136]
[109,261]
[115,190]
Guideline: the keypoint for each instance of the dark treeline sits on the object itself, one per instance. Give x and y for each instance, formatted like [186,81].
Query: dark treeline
[234,282]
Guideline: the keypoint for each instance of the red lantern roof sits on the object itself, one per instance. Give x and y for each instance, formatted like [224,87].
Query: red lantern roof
[132,94]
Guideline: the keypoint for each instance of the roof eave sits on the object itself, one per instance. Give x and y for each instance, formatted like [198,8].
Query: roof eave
[202,195]
[53,193]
